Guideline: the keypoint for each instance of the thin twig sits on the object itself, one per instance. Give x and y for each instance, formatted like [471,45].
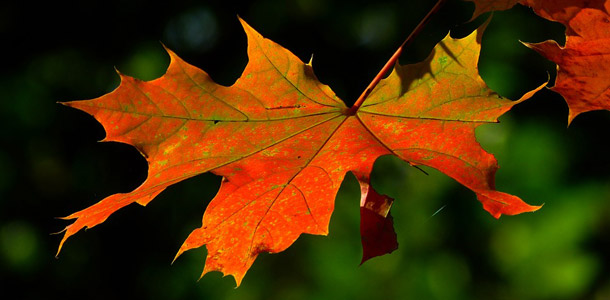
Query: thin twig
[390,64]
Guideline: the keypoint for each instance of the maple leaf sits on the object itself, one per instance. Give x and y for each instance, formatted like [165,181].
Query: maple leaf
[283,143]
[483,6]
[583,64]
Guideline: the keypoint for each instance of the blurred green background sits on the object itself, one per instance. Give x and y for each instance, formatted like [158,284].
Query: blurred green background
[51,164]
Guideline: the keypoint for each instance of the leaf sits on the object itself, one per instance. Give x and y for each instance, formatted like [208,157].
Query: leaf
[376,224]
[583,64]
[483,6]
[283,143]
[554,10]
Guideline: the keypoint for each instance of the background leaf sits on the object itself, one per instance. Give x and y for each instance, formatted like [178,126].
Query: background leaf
[583,61]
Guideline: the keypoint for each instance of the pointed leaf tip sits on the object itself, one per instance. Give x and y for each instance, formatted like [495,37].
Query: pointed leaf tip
[498,204]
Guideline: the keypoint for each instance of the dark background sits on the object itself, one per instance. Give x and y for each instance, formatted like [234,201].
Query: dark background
[51,164]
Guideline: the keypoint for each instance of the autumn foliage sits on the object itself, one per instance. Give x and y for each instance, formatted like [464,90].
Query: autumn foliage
[583,63]
[283,142]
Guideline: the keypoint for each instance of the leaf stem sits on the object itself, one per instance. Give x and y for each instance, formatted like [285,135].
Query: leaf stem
[390,64]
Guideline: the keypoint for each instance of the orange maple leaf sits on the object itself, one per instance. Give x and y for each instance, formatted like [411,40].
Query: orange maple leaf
[583,64]
[483,6]
[283,143]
